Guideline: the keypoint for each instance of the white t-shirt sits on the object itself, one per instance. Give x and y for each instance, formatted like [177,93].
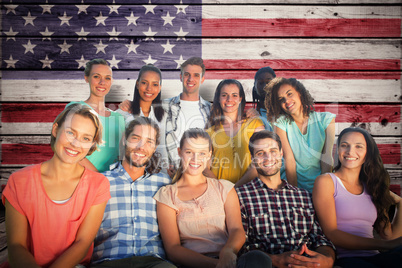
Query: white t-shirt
[190,117]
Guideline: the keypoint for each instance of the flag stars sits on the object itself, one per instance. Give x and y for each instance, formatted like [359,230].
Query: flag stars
[132,19]
[29,19]
[168,19]
[100,47]
[46,34]
[65,47]
[181,7]
[82,8]
[168,47]
[29,47]
[100,19]
[179,61]
[149,8]
[46,9]
[150,34]
[149,60]
[82,34]
[11,8]
[82,62]
[64,19]
[113,33]
[113,8]
[114,63]
[181,35]
[132,47]
[11,62]
[11,34]
[46,63]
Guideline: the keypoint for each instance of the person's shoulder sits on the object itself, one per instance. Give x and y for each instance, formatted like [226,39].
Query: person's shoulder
[26,172]
[95,175]
[116,170]
[161,177]
[247,188]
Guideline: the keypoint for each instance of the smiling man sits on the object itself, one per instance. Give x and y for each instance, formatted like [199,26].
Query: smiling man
[278,218]
[187,110]
[129,231]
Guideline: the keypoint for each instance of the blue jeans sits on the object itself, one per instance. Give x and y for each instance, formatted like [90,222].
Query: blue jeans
[254,258]
[388,259]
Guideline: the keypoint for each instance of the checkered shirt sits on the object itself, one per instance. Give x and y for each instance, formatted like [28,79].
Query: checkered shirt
[172,108]
[278,221]
[129,226]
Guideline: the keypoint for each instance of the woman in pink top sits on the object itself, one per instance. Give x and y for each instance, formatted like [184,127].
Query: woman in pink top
[199,217]
[54,209]
[354,200]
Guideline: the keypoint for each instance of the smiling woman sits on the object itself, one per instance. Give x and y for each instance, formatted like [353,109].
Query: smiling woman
[98,75]
[59,201]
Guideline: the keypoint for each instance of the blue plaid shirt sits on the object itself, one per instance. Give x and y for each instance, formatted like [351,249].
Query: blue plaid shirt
[129,226]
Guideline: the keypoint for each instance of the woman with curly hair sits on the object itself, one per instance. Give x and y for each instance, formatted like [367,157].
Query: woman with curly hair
[354,200]
[230,132]
[307,136]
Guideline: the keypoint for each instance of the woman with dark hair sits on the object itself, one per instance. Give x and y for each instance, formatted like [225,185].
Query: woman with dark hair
[230,132]
[354,200]
[262,77]
[307,136]
[147,95]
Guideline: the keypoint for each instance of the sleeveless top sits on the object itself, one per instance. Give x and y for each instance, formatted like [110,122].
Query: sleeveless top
[355,214]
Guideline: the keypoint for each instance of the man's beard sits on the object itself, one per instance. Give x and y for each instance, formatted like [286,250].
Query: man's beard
[260,171]
[135,164]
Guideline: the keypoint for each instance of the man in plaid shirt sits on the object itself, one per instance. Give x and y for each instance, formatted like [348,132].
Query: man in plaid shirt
[129,231]
[279,218]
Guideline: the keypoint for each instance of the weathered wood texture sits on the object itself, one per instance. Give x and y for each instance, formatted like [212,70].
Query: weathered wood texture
[346,52]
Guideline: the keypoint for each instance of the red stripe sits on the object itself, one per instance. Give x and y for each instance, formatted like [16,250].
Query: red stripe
[301,27]
[349,113]
[213,74]
[305,64]
[26,154]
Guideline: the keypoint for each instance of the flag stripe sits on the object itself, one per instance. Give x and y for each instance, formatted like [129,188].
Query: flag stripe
[302,28]
[45,112]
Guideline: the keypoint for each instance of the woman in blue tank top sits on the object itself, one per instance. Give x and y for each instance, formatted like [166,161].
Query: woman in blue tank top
[354,200]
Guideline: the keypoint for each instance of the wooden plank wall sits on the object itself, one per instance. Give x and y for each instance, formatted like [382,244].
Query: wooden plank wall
[346,52]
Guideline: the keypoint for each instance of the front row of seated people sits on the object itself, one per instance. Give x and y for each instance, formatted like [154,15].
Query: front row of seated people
[55,209]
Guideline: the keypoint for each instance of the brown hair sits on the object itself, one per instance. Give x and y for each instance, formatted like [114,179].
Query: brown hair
[193,61]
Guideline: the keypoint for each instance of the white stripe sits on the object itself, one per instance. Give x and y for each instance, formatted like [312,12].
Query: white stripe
[251,49]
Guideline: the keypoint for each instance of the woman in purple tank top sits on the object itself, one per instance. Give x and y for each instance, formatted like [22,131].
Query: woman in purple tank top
[354,201]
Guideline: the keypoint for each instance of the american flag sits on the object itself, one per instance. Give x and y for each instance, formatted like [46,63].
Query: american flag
[61,37]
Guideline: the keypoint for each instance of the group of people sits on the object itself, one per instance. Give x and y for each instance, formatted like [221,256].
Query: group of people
[181,182]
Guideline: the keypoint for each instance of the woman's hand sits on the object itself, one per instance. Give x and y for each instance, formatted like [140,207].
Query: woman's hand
[227,259]
[251,113]
[125,106]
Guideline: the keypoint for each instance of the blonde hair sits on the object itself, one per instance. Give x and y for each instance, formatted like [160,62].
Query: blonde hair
[84,111]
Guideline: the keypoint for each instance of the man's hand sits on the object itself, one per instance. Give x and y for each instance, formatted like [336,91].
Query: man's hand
[312,258]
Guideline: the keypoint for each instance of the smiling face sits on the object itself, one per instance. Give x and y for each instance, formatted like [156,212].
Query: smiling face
[230,99]
[267,157]
[148,86]
[289,99]
[74,138]
[262,80]
[192,78]
[352,150]
[140,145]
[99,80]
[195,154]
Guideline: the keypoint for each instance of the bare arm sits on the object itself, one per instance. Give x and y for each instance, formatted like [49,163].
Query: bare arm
[171,241]
[324,204]
[237,236]
[125,106]
[327,161]
[87,164]
[394,230]
[290,162]
[84,238]
[17,234]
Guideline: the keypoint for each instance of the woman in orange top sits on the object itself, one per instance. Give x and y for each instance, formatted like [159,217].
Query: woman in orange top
[54,209]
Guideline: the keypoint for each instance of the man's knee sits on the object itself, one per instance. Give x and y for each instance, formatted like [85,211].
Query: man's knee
[254,258]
